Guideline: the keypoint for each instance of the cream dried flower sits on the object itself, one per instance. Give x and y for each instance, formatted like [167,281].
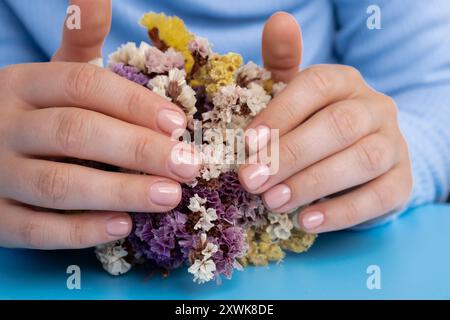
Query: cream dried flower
[280,226]
[209,250]
[196,203]
[251,72]
[174,88]
[255,97]
[130,54]
[112,255]
[203,270]
[159,85]
[207,217]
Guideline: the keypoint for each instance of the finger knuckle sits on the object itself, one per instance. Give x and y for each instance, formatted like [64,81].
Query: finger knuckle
[52,184]
[75,236]
[71,131]
[371,155]
[134,99]
[141,148]
[120,195]
[287,111]
[345,123]
[314,180]
[33,234]
[350,213]
[319,80]
[390,107]
[385,197]
[351,72]
[81,82]
[292,151]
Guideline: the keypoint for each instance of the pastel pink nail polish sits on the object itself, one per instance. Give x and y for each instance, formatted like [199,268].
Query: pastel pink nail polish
[258,139]
[277,196]
[118,226]
[169,120]
[184,162]
[164,193]
[255,175]
[312,220]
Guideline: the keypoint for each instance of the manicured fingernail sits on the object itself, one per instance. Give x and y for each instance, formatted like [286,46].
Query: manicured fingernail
[169,120]
[278,196]
[118,226]
[184,162]
[312,220]
[255,175]
[164,193]
[258,139]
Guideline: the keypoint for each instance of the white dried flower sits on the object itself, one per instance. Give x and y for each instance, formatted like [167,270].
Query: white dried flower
[209,250]
[210,172]
[159,86]
[187,100]
[206,218]
[192,183]
[255,97]
[185,94]
[130,54]
[196,203]
[112,255]
[227,97]
[234,107]
[280,226]
[203,270]
[178,76]
[252,72]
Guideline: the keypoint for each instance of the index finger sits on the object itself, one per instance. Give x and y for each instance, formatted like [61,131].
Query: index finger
[68,84]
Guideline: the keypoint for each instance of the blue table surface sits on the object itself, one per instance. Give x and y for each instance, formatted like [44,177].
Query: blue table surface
[412,252]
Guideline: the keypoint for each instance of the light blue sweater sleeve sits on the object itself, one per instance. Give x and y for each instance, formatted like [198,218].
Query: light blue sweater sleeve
[409,60]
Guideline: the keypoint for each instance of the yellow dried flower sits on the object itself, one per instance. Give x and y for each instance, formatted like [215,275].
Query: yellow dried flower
[218,72]
[264,237]
[261,249]
[299,241]
[268,85]
[173,32]
[258,259]
[275,253]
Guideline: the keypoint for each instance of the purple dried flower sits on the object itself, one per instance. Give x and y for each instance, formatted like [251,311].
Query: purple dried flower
[250,206]
[232,246]
[155,237]
[129,72]
[169,239]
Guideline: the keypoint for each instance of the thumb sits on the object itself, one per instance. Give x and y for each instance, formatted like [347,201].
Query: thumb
[282,46]
[85,43]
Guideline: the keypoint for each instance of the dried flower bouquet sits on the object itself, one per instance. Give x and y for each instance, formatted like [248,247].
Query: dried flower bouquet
[218,226]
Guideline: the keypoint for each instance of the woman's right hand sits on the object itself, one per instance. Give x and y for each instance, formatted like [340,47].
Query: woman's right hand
[77,110]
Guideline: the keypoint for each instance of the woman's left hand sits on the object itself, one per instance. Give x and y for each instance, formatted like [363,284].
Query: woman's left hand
[336,134]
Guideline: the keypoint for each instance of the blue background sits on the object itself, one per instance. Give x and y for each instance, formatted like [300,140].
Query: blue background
[412,252]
